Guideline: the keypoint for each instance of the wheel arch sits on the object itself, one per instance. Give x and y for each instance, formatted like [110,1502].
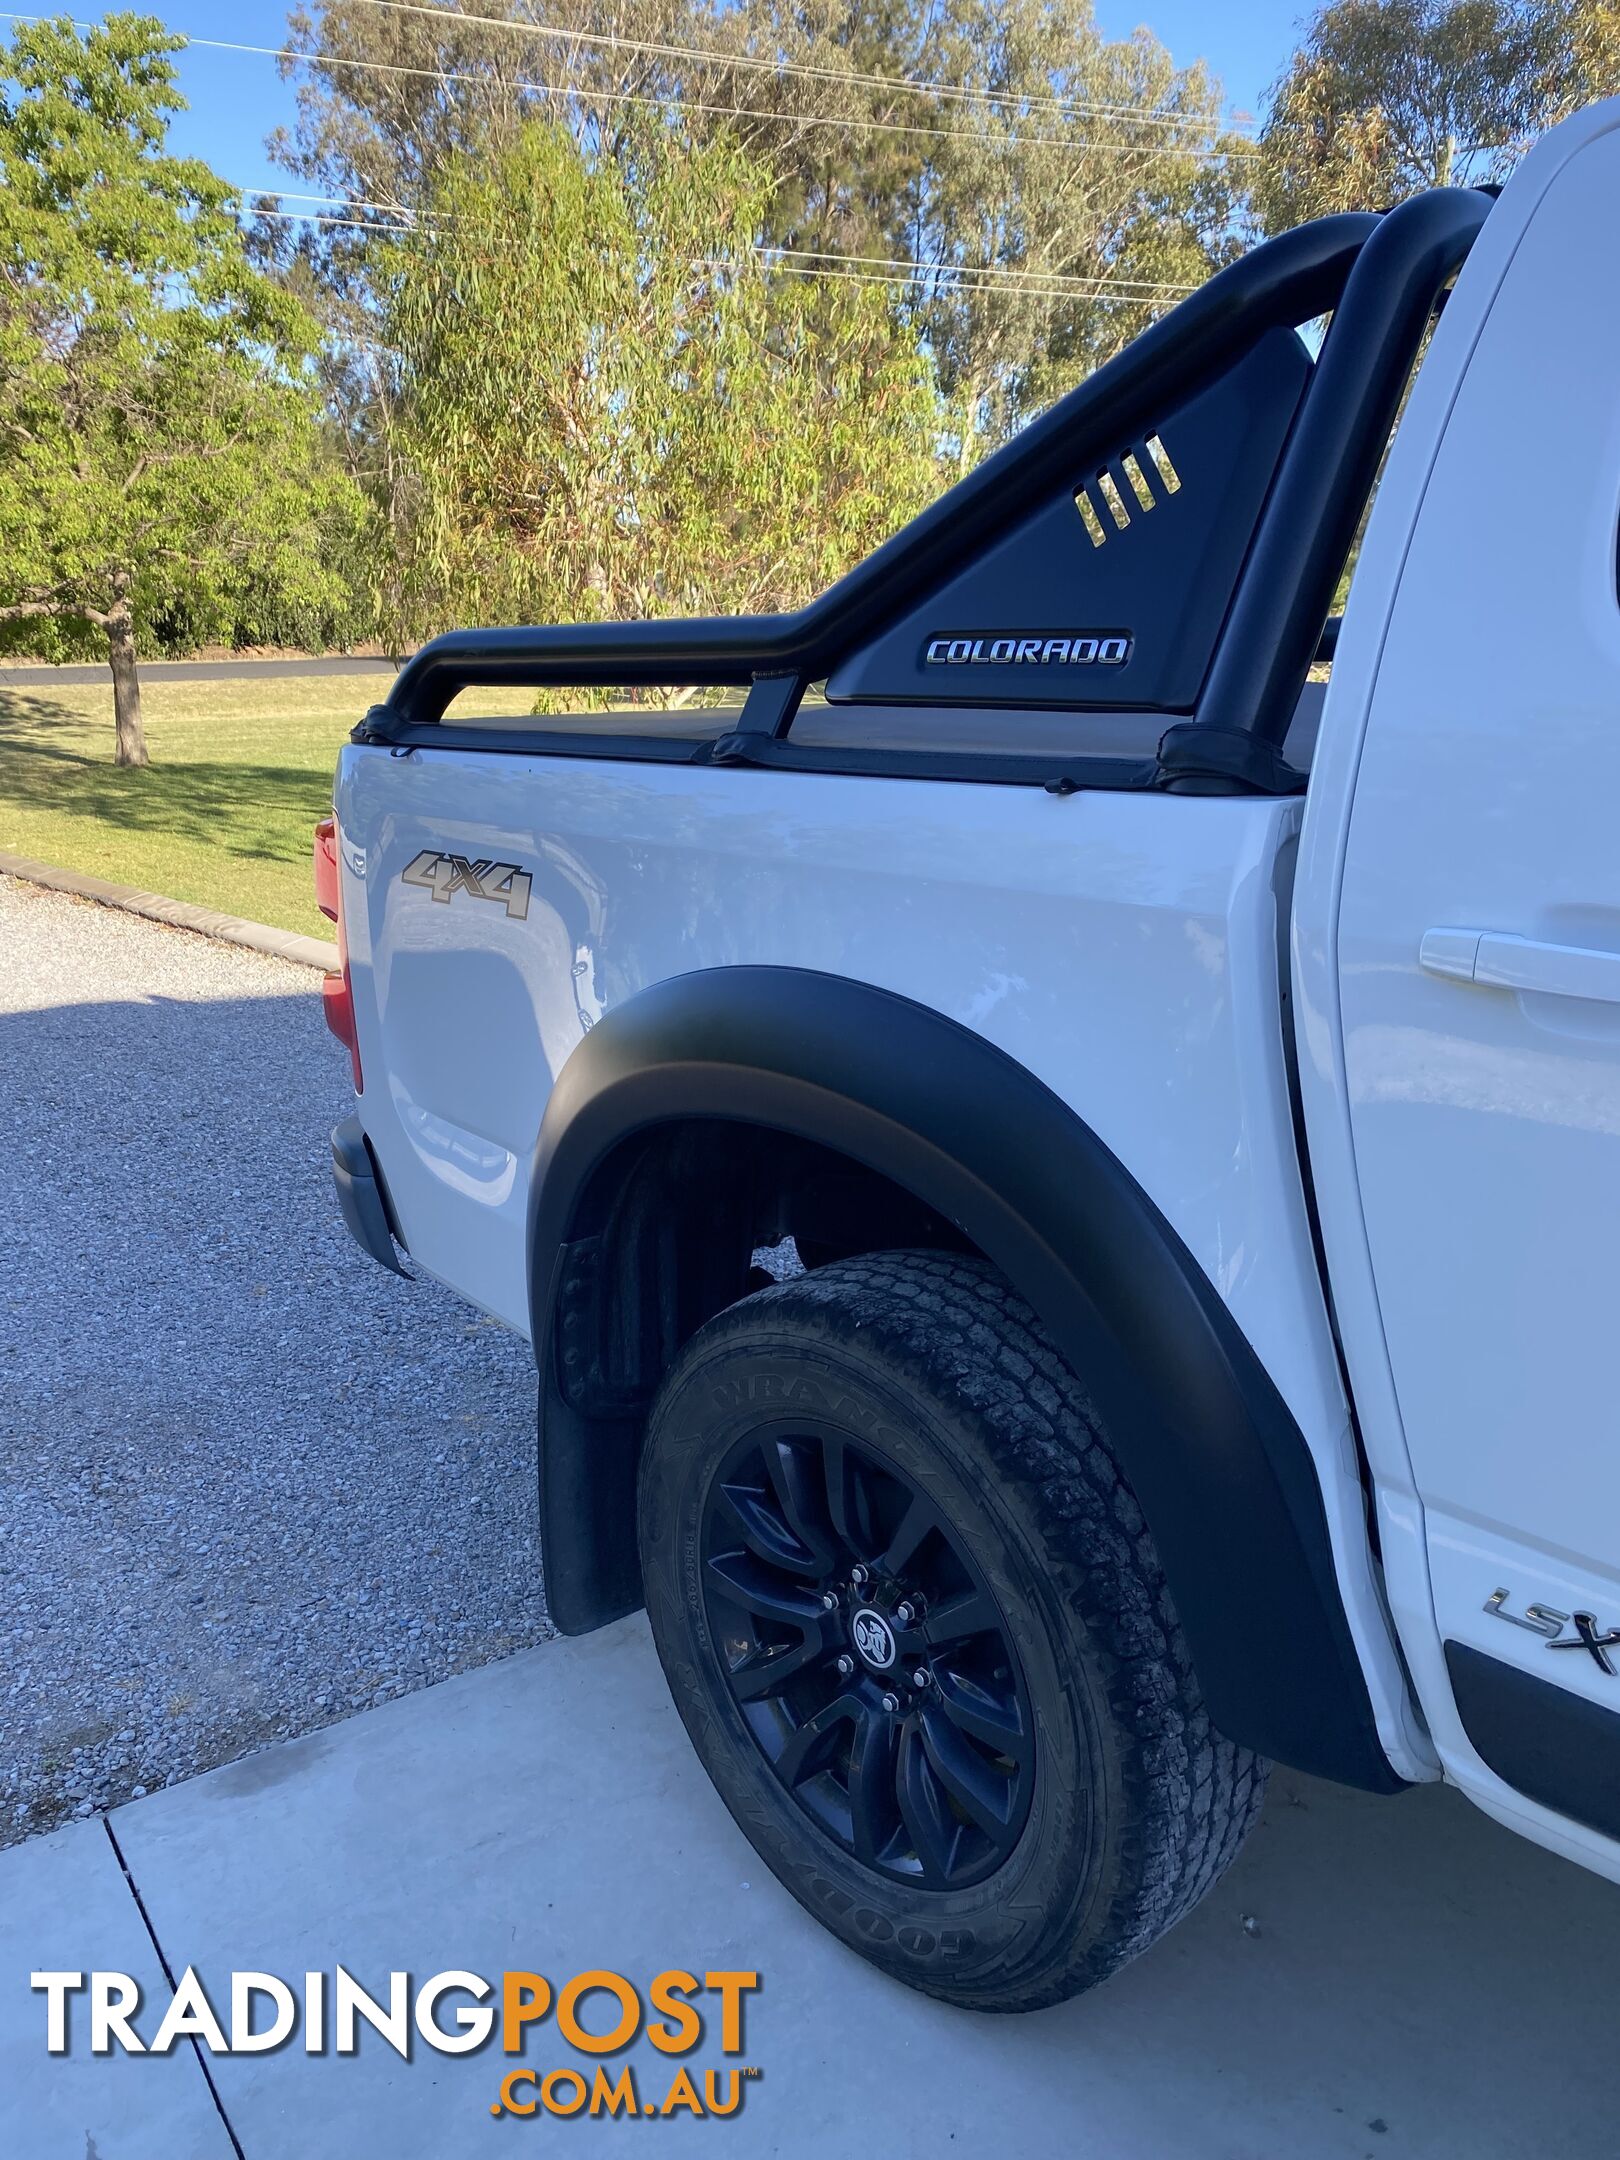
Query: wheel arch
[938,1120]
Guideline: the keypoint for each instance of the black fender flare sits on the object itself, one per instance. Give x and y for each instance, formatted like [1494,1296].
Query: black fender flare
[1217,1461]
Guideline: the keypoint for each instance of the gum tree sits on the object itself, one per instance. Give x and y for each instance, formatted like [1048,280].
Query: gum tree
[937,139]
[159,426]
[606,404]
[1384,97]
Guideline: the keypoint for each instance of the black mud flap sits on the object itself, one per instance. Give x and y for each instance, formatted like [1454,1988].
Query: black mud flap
[360,1195]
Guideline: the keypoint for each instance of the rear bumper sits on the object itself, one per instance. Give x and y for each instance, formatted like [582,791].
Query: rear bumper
[360,1194]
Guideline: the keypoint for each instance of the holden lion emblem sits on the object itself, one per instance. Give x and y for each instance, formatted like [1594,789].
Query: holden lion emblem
[874,1639]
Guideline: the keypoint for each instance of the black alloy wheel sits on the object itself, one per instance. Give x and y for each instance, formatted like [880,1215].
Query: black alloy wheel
[918,1633]
[867,1656]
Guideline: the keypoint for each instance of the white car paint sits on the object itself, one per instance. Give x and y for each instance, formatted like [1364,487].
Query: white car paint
[1136,953]
[1463,1132]
[1122,947]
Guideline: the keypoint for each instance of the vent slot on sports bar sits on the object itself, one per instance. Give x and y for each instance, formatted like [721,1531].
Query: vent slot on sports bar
[1112,495]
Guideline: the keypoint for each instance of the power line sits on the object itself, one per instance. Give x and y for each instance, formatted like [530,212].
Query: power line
[731,112]
[342,202]
[850,124]
[853,277]
[1056,284]
[698,105]
[1139,287]
[1158,116]
[310,217]
[627,97]
[1126,291]
[878,277]
[966,278]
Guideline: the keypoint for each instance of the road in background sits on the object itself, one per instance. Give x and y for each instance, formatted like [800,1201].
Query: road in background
[250,1482]
[244,670]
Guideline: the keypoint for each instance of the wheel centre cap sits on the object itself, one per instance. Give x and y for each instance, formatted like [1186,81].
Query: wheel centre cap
[873,1638]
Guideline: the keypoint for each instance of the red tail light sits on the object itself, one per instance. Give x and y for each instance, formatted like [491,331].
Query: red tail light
[337,995]
[326,868]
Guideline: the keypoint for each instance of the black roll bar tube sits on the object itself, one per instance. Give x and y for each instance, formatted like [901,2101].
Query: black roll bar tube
[1276,624]
[1379,275]
[1287,281]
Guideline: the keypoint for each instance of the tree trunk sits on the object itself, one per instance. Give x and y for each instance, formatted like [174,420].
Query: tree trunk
[131,745]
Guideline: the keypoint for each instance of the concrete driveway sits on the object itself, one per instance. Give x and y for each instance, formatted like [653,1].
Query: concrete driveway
[1376,1977]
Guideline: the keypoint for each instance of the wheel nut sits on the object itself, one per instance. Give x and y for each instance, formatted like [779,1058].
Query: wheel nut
[857,1575]
[904,1615]
[828,1602]
[921,1677]
[846,1665]
[891,1702]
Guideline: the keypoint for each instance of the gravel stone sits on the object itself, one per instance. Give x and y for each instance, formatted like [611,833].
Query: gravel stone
[249,1481]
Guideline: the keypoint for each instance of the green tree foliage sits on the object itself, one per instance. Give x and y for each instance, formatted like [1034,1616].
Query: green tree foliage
[1584,58]
[1099,221]
[1049,181]
[1385,97]
[606,406]
[160,450]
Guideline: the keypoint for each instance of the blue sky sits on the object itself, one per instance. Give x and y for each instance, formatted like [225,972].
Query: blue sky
[237,98]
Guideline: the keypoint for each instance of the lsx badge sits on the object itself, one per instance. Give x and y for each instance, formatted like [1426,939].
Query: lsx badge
[1549,1623]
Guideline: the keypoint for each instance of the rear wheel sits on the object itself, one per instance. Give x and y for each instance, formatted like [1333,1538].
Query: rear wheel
[919,1634]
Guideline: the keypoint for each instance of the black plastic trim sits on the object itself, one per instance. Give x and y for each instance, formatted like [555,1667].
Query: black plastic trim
[1194,756]
[1157,592]
[360,1194]
[1219,1465]
[541,741]
[1064,774]
[1557,1748]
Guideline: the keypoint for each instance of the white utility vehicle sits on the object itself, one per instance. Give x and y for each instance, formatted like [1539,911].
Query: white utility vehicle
[1194,1101]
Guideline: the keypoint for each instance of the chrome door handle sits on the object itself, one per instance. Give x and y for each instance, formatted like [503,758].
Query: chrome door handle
[1500,961]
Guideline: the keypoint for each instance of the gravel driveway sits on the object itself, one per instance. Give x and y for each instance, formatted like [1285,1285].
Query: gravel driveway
[249,1482]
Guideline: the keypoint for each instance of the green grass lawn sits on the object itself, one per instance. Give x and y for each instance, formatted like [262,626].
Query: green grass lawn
[222,816]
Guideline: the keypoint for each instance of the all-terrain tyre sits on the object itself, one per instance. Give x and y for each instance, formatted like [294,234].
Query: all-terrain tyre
[918,1632]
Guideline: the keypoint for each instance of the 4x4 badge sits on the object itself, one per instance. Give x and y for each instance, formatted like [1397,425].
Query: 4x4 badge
[446,875]
[1547,1622]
